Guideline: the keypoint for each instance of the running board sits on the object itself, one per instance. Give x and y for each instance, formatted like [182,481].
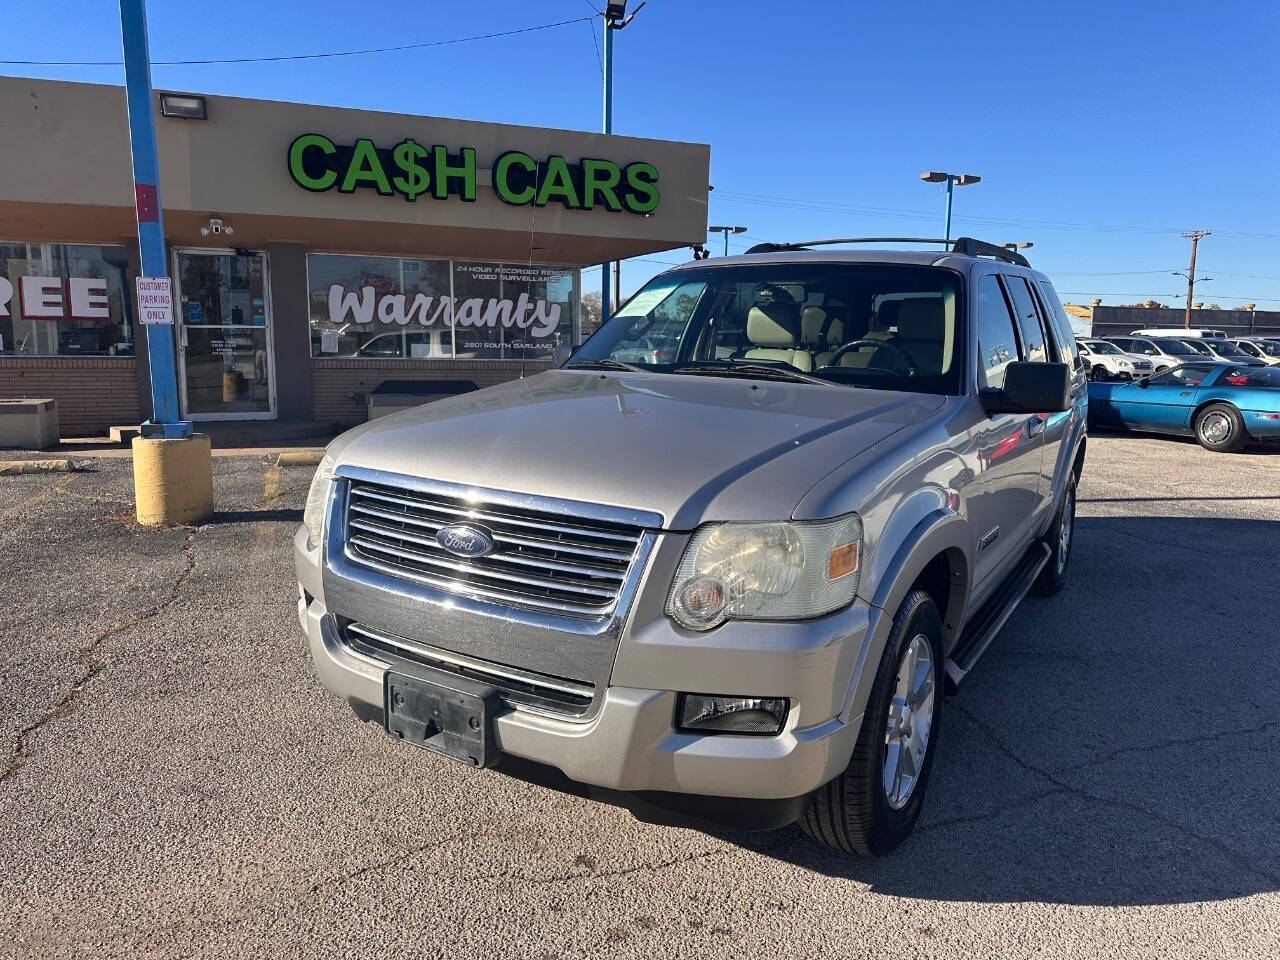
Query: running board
[982,629]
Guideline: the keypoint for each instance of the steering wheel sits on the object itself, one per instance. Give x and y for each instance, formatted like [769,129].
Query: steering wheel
[878,344]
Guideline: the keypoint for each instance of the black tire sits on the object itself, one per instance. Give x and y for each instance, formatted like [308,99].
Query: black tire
[852,813]
[1054,574]
[1220,417]
[1099,373]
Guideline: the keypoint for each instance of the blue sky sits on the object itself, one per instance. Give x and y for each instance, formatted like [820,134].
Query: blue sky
[1101,130]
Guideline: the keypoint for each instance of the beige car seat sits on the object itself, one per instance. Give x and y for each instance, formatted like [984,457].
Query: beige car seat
[773,329]
[821,332]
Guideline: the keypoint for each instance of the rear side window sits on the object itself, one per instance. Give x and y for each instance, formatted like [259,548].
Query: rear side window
[1024,308]
[997,342]
[1061,323]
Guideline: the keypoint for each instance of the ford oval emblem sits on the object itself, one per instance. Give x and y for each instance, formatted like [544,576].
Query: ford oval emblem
[464,540]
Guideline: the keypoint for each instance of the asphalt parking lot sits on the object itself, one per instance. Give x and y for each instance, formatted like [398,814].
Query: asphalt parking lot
[176,784]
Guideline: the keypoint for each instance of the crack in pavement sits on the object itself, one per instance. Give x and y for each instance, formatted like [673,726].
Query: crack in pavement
[1171,742]
[1237,857]
[1027,801]
[65,704]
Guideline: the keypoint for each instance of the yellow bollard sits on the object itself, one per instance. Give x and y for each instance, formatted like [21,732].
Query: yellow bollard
[172,480]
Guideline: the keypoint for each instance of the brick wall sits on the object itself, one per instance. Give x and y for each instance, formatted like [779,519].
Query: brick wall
[93,393]
[340,388]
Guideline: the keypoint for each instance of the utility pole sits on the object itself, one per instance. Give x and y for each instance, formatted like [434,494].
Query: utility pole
[1195,236]
[615,18]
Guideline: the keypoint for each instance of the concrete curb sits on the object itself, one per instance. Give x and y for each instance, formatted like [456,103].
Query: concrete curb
[9,468]
[299,458]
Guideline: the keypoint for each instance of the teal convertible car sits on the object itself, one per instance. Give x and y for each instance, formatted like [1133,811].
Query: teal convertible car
[1222,405]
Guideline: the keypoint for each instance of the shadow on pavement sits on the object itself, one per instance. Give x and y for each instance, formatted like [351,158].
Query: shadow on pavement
[1118,745]
[256,516]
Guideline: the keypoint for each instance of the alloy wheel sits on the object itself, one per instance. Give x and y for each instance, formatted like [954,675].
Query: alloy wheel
[1065,527]
[907,728]
[1216,427]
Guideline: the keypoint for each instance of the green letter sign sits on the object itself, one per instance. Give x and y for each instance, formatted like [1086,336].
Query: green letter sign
[413,170]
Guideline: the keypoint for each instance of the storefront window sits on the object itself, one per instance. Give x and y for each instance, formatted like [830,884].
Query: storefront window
[65,299]
[392,308]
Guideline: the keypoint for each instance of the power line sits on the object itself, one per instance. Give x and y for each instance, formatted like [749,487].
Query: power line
[302,56]
[894,213]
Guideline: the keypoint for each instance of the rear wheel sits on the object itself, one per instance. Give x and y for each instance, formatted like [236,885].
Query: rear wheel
[873,806]
[1059,540]
[1219,427]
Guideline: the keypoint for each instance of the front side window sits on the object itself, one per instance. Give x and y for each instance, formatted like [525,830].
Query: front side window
[65,299]
[997,343]
[885,326]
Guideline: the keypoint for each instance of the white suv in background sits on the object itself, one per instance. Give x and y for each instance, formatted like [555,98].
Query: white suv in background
[1260,348]
[1109,362]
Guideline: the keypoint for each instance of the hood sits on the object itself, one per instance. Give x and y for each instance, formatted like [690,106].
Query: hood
[690,448]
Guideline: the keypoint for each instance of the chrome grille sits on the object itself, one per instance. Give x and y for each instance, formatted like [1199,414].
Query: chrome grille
[517,686]
[541,560]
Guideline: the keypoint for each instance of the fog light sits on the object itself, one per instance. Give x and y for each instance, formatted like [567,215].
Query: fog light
[705,713]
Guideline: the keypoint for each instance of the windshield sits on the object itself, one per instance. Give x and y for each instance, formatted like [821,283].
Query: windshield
[1179,348]
[1227,349]
[889,326]
[1101,346]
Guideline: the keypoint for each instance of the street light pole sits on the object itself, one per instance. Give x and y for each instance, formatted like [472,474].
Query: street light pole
[952,180]
[615,18]
[726,231]
[165,419]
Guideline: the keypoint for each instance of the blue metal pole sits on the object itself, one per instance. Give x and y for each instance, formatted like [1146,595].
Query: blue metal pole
[950,183]
[165,419]
[605,271]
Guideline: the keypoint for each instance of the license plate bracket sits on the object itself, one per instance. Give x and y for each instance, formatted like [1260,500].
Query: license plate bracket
[442,718]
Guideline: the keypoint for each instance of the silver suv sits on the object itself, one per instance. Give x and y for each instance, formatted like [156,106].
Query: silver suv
[729,588]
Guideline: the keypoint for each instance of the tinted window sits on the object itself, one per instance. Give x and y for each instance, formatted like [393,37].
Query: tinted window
[997,343]
[1187,375]
[1060,321]
[1251,376]
[1024,307]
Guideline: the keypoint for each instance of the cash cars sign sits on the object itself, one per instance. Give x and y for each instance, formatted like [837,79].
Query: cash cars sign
[412,170]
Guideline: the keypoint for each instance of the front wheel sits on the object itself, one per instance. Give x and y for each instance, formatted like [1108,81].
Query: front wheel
[1099,373]
[1220,428]
[873,806]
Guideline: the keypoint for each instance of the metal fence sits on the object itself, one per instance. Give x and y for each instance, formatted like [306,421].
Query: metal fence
[1119,321]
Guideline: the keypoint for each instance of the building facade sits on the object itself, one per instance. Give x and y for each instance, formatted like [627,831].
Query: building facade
[316,252]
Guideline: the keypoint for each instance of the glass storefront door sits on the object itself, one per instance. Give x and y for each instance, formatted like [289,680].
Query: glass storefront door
[225,361]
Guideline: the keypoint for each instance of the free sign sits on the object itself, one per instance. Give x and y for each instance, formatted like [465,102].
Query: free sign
[155,300]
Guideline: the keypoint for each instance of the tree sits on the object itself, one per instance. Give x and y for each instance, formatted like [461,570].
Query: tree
[590,311]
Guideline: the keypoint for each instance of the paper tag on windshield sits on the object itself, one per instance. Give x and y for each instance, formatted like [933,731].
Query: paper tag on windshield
[643,302]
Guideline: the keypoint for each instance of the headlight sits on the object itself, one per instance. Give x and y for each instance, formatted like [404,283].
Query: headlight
[317,500]
[766,571]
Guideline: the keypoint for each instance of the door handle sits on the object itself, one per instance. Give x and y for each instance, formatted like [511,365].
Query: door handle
[1035,426]
[1185,393]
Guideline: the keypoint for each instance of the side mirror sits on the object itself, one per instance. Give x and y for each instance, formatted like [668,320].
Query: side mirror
[1031,387]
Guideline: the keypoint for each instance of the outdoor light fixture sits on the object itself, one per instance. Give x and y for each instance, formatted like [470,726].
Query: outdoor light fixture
[185,106]
[952,180]
[1019,245]
[215,227]
[726,231]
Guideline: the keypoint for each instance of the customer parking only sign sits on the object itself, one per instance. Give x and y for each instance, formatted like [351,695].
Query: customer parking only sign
[155,300]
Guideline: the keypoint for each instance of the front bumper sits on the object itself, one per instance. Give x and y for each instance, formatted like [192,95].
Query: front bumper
[629,742]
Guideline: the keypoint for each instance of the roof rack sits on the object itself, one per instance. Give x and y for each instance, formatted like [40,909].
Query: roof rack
[965,246]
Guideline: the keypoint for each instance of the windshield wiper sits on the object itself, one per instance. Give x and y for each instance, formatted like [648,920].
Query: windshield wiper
[604,363]
[728,368]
